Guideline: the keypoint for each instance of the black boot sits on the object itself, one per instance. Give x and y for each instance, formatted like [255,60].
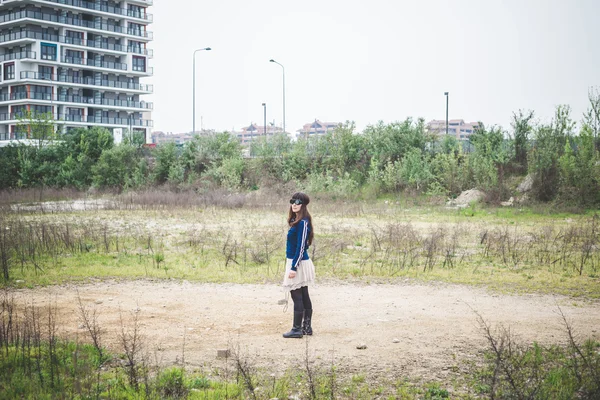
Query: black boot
[296,331]
[306,328]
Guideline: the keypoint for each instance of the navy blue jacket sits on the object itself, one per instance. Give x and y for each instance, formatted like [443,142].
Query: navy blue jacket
[297,243]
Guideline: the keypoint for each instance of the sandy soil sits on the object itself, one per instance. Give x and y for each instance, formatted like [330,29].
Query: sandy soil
[410,330]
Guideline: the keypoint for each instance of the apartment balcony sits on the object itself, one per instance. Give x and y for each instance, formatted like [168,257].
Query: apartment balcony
[22,55]
[29,34]
[109,121]
[103,8]
[87,81]
[142,2]
[83,119]
[87,101]
[101,26]
[94,63]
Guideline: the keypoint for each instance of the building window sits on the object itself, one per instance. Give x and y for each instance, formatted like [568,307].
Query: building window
[48,51]
[75,57]
[74,37]
[134,11]
[41,109]
[135,47]
[18,92]
[75,114]
[135,29]
[19,111]
[41,92]
[139,64]
[45,72]
[9,71]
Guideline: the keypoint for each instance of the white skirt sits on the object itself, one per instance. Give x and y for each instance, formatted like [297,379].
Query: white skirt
[305,275]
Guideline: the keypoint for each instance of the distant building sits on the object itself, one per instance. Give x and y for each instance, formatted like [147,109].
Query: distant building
[83,62]
[254,131]
[456,127]
[159,137]
[316,128]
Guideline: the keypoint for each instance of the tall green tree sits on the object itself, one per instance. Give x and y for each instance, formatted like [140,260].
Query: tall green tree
[389,142]
[549,146]
[40,127]
[81,149]
[522,128]
[116,167]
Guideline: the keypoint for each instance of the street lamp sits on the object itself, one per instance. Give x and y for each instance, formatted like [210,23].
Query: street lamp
[265,119]
[194,89]
[446,93]
[283,68]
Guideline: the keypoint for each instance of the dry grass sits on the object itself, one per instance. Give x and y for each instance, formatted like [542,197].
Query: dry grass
[505,250]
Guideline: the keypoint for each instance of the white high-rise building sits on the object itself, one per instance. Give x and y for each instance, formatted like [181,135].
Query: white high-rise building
[81,60]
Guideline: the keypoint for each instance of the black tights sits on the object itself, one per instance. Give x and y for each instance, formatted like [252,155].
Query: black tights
[301,299]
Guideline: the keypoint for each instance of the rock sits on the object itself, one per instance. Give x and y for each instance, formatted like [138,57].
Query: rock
[508,203]
[526,184]
[19,280]
[361,346]
[467,197]
[281,302]
[98,301]
[396,340]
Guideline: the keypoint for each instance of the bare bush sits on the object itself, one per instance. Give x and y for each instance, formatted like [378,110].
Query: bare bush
[432,246]
[245,370]
[89,319]
[267,244]
[507,244]
[520,371]
[311,374]
[513,369]
[132,343]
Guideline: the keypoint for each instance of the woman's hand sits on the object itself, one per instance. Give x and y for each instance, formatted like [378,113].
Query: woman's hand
[292,274]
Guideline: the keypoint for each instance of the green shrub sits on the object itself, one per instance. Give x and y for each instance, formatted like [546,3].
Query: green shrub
[116,167]
[171,384]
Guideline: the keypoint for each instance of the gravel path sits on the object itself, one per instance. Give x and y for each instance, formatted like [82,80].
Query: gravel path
[410,330]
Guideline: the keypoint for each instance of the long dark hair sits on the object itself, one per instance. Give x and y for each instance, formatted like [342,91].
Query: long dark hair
[302,214]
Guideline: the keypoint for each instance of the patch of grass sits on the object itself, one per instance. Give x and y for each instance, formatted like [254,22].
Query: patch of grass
[383,241]
[513,369]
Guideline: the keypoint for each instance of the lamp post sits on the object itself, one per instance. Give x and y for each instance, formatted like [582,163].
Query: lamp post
[194,89]
[265,119]
[283,68]
[446,93]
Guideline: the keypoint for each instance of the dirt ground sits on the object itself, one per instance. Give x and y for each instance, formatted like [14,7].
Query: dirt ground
[410,330]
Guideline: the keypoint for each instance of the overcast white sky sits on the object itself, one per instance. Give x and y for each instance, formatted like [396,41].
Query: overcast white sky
[373,60]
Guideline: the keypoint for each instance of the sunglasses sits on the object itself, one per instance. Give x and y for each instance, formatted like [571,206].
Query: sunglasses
[296,201]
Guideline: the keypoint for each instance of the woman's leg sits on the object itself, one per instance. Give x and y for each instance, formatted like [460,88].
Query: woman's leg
[298,298]
[307,304]
[296,331]
[305,298]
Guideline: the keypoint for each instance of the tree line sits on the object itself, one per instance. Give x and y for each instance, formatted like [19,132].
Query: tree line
[561,157]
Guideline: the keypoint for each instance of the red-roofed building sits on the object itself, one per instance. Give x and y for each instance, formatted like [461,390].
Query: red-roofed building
[316,128]
[255,131]
[456,127]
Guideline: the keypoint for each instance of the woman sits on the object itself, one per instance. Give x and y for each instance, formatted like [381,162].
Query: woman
[299,270]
